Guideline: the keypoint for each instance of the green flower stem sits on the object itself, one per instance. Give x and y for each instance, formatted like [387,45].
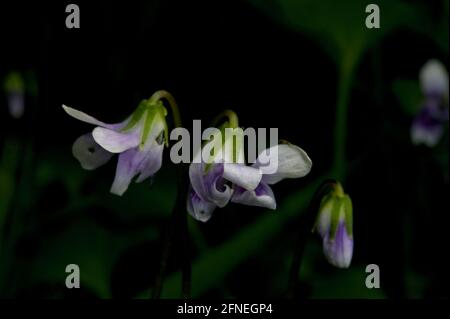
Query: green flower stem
[340,129]
[305,225]
[233,120]
[162,94]
[178,223]
[224,258]
[178,226]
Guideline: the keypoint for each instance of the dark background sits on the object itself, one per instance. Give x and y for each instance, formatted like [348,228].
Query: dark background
[213,55]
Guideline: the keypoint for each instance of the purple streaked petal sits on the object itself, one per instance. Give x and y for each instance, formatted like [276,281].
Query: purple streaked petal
[115,142]
[150,161]
[90,119]
[210,186]
[262,196]
[339,251]
[135,161]
[89,153]
[242,175]
[198,208]
[283,161]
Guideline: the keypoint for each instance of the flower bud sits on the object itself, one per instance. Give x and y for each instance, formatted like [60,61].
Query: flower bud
[334,224]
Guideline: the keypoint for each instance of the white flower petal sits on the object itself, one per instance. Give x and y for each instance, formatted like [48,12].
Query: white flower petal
[262,196]
[198,208]
[88,119]
[113,141]
[89,153]
[242,175]
[283,161]
[434,78]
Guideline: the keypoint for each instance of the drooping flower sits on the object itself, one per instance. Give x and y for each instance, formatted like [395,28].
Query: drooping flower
[139,141]
[228,178]
[212,181]
[335,226]
[289,160]
[428,126]
[15,93]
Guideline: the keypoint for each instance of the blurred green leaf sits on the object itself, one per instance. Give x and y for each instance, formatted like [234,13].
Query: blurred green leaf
[8,165]
[339,26]
[345,283]
[14,83]
[210,269]
[144,199]
[416,284]
[408,94]
[94,249]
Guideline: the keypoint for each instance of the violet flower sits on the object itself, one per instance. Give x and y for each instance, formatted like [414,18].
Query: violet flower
[138,140]
[428,126]
[212,182]
[227,178]
[335,226]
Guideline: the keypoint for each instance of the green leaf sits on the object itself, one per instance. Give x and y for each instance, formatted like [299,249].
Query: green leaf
[211,268]
[344,284]
[94,249]
[339,26]
[408,94]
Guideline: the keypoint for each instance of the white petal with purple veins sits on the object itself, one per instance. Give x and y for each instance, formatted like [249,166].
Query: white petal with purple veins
[89,153]
[149,161]
[198,208]
[124,172]
[115,142]
[210,185]
[339,250]
[134,161]
[283,161]
[262,196]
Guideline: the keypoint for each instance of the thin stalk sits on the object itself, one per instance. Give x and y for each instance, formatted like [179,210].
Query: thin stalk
[340,129]
[178,220]
[305,226]
[162,94]
[233,121]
